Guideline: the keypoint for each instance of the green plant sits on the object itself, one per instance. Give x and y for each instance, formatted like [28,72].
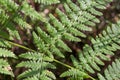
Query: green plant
[51,33]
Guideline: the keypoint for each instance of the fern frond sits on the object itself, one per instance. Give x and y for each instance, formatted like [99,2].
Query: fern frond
[92,56]
[104,44]
[75,19]
[67,26]
[112,72]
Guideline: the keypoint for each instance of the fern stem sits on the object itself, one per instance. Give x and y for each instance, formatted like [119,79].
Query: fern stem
[91,77]
[18,45]
[62,64]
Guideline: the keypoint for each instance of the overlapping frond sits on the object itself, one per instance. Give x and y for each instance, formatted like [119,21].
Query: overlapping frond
[68,25]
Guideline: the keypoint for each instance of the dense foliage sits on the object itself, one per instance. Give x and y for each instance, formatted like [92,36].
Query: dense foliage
[59,40]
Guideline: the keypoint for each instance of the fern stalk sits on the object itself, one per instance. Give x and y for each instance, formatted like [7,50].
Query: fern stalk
[23,47]
[63,64]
